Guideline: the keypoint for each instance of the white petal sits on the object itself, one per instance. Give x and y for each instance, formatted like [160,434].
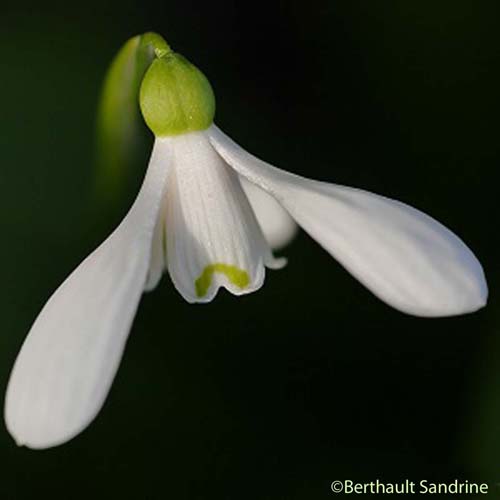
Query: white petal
[213,238]
[276,224]
[403,256]
[158,252]
[69,359]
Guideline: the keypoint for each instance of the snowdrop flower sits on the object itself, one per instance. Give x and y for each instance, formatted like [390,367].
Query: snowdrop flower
[208,213]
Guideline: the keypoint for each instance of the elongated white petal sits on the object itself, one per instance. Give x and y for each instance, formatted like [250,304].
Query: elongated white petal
[403,256]
[158,252]
[276,223]
[213,238]
[69,359]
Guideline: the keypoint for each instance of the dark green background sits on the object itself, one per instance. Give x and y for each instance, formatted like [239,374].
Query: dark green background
[312,379]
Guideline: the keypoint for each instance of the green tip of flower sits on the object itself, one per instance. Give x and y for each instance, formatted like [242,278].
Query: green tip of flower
[175,96]
[157,43]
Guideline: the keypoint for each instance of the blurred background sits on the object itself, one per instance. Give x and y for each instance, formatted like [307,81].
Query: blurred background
[312,379]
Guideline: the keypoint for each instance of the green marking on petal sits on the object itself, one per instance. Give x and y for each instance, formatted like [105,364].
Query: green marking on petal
[235,275]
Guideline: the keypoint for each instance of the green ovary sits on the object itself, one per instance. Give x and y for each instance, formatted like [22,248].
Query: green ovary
[175,96]
[235,275]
